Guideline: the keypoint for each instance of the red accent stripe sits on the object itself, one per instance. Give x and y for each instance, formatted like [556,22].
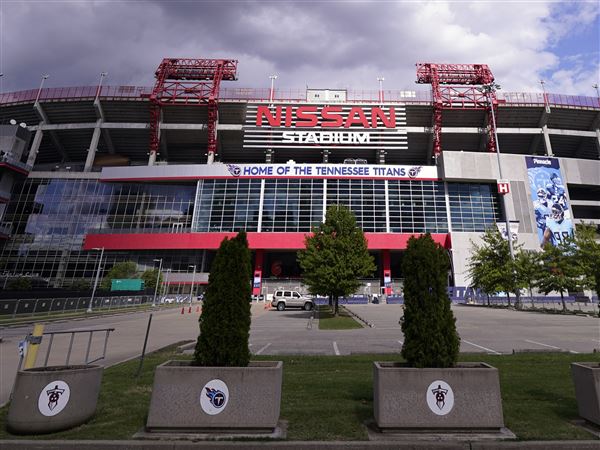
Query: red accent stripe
[16,169]
[211,241]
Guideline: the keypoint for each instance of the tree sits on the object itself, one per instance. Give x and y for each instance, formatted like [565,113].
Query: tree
[225,318]
[528,267]
[149,277]
[588,255]
[122,270]
[336,256]
[490,266]
[561,271]
[20,284]
[429,327]
[80,285]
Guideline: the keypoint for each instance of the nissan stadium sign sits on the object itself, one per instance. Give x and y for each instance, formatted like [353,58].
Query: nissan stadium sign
[309,126]
[219,170]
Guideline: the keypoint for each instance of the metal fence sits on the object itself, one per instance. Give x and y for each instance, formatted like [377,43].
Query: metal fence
[45,306]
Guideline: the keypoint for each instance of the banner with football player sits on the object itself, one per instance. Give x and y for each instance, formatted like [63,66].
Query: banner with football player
[550,204]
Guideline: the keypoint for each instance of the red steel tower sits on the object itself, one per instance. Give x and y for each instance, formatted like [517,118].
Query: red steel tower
[454,86]
[189,81]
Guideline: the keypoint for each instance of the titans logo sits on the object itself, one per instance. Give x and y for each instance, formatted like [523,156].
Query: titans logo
[216,397]
[414,171]
[234,170]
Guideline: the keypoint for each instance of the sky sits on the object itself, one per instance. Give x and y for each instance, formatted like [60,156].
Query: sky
[320,44]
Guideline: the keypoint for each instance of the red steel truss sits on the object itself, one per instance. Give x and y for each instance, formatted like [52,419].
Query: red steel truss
[454,86]
[187,81]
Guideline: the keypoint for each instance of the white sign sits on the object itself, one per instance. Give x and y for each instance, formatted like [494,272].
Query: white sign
[214,397]
[54,398]
[316,171]
[514,230]
[440,397]
[503,187]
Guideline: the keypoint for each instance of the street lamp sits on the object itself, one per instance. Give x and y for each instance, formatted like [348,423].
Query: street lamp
[487,89]
[166,283]
[381,80]
[89,310]
[44,76]
[272,92]
[157,279]
[192,288]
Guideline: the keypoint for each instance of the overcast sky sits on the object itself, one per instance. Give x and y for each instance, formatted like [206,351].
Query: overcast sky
[334,44]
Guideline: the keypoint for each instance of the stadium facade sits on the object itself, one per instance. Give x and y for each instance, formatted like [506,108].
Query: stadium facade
[136,173]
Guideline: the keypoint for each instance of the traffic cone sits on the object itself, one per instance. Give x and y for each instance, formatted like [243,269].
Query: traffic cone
[190,310]
[197,309]
[182,310]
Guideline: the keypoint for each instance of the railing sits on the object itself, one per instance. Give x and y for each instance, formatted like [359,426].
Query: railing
[46,306]
[5,229]
[262,94]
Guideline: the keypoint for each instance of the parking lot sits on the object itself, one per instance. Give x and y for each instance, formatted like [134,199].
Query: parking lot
[487,330]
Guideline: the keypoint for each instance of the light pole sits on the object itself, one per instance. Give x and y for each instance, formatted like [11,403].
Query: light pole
[487,89]
[157,279]
[546,105]
[89,310]
[44,76]
[595,86]
[192,288]
[166,283]
[381,80]
[272,92]
[102,75]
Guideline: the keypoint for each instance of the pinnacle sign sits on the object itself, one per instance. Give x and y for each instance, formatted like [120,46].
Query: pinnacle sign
[334,127]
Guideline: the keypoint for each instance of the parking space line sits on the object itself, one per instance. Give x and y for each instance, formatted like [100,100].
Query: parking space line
[481,347]
[543,345]
[336,349]
[263,349]
[401,343]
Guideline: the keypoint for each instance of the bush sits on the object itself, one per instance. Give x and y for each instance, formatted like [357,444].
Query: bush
[429,327]
[20,284]
[225,318]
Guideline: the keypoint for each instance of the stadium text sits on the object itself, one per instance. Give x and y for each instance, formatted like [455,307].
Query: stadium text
[326,117]
[326,137]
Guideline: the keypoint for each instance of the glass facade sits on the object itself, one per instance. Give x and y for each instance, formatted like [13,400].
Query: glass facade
[51,217]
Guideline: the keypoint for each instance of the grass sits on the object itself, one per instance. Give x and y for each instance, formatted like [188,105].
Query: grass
[344,321]
[330,397]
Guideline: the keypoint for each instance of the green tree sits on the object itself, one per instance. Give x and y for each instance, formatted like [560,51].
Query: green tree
[490,266]
[336,256]
[528,266]
[122,270]
[225,318]
[20,284]
[429,327]
[149,277]
[588,255]
[80,285]
[561,271]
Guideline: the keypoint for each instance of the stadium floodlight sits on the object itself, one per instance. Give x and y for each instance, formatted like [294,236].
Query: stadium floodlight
[272,91]
[595,86]
[546,105]
[381,80]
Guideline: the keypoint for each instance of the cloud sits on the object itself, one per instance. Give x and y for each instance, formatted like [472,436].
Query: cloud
[321,44]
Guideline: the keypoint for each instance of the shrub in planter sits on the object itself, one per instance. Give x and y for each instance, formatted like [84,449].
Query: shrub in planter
[431,391]
[221,389]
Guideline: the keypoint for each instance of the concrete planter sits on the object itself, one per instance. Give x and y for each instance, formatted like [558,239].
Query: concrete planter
[55,398]
[586,377]
[215,399]
[466,397]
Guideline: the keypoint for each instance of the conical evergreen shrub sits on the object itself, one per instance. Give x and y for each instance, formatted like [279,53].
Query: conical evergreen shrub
[429,327]
[225,318]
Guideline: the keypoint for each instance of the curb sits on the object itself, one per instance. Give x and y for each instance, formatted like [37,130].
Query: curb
[356,316]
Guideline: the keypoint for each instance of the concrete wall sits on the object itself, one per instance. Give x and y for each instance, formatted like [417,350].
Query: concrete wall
[483,167]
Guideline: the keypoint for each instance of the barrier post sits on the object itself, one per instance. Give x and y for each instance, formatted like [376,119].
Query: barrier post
[35,339]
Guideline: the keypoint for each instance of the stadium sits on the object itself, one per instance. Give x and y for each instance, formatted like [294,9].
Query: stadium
[95,175]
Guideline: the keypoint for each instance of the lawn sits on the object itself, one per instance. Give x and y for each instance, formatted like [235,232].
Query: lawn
[330,397]
[344,320]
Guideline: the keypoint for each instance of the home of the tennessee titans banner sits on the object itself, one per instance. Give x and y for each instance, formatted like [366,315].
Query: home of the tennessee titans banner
[549,198]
